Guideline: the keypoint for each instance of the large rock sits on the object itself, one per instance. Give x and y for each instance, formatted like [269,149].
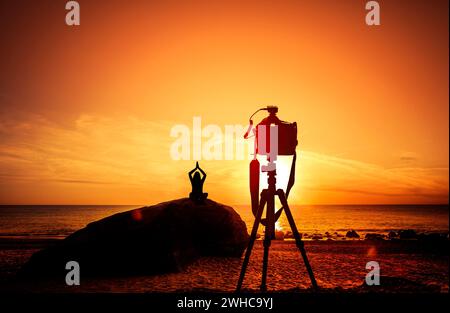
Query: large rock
[155,239]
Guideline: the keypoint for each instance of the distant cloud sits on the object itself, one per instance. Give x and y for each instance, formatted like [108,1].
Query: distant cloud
[409,156]
[128,158]
[71,181]
[351,176]
[112,150]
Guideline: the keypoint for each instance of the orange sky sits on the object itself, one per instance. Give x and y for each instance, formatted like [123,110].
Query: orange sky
[86,112]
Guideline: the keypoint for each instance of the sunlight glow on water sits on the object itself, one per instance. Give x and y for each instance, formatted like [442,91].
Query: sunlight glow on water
[361,218]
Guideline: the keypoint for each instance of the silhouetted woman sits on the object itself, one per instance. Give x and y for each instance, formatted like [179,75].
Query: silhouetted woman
[197,181]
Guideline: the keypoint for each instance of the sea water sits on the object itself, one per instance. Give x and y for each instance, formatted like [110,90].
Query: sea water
[58,221]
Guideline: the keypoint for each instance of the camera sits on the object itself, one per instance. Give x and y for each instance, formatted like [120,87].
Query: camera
[286,134]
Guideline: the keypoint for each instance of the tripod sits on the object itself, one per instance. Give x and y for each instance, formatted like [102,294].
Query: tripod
[268,198]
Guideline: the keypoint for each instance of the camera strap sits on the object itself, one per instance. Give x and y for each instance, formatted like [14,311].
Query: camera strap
[291,175]
[290,184]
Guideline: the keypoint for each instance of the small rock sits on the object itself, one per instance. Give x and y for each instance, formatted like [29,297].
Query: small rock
[407,234]
[289,235]
[372,236]
[432,237]
[279,235]
[392,234]
[352,234]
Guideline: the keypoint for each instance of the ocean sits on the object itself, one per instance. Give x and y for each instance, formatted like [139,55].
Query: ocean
[58,221]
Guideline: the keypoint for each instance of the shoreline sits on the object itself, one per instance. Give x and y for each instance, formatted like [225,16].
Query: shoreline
[351,236]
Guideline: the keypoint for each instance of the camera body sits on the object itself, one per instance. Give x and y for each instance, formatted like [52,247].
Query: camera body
[287,138]
[286,135]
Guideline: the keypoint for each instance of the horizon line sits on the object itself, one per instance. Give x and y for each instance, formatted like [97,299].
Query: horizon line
[236,204]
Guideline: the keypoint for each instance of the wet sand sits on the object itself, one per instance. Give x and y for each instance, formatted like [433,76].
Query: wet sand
[339,266]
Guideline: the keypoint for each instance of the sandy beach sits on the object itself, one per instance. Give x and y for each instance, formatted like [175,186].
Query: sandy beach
[339,266]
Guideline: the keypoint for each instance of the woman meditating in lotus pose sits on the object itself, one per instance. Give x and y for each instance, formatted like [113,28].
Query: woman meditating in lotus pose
[197,193]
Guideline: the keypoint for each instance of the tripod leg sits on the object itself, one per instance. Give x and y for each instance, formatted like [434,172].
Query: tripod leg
[267,241]
[269,232]
[298,239]
[248,252]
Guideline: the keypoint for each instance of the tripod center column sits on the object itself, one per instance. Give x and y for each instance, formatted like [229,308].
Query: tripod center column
[270,214]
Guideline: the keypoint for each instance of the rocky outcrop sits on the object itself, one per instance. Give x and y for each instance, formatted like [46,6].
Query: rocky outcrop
[155,239]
